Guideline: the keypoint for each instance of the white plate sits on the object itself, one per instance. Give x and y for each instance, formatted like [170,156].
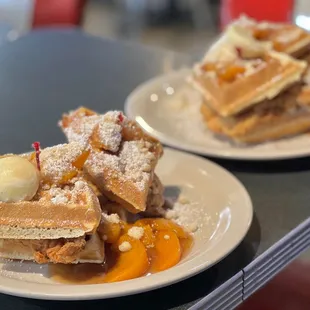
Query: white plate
[168,108]
[220,205]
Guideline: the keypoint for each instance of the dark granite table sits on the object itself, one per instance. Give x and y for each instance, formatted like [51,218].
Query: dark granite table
[48,72]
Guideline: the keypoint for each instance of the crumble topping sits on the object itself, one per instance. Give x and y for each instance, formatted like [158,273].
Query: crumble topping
[136,232]
[125,246]
[184,213]
[110,135]
[56,161]
[67,194]
[106,126]
[112,218]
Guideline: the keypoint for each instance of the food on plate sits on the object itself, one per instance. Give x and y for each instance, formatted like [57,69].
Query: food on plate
[232,86]
[285,115]
[58,223]
[286,38]
[92,208]
[122,158]
[251,91]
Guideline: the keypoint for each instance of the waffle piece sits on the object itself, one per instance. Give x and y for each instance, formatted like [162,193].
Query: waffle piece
[287,114]
[155,200]
[233,86]
[65,251]
[154,204]
[63,207]
[286,38]
[122,158]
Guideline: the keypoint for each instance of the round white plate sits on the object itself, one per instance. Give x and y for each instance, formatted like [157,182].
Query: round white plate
[168,108]
[219,205]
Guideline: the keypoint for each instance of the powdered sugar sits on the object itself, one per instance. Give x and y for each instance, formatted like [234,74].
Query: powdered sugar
[189,215]
[60,199]
[135,161]
[81,129]
[110,135]
[182,113]
[125,161]
[56,161]
[131,164]
[66,195]
[104,128]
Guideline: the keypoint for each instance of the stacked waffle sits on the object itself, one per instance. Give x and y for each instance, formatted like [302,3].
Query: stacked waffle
[251,92]
[49,215]
[286,38]
[49,206]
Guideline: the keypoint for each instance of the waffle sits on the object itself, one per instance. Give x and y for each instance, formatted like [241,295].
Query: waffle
[55,222]
[287,114]
[122,157]
[286,38]
[232,86]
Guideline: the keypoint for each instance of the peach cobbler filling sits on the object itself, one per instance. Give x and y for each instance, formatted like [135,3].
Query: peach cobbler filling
[230,71]
[147,246]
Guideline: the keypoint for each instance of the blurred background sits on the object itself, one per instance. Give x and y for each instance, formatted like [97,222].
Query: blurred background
[180,25]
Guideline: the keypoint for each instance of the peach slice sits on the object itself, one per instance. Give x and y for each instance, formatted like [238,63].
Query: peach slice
[66,177]
[110,232]
[163,224]
[148,238]
[167,251]
[80,160]
[131,264]
[230,73]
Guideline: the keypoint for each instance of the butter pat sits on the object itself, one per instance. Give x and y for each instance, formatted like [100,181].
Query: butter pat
[19,179]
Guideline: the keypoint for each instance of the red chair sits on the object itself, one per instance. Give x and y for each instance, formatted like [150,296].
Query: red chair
[271,10]
[58,13]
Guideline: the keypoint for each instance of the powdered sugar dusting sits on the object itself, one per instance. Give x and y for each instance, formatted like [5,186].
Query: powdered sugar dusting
[56,161]
[110,135]
[65,195]
[133,163]
[105,128]
[81,129]
[113,160]
[182,112]
[136,163]
[189,215]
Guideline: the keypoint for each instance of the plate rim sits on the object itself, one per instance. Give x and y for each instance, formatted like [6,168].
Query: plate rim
[234,153]
[45,291]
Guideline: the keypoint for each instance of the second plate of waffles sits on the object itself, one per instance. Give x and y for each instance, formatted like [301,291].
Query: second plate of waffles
[248,98]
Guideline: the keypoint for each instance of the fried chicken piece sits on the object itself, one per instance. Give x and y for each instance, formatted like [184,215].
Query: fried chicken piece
[155,199]
[64,251]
